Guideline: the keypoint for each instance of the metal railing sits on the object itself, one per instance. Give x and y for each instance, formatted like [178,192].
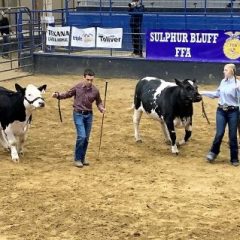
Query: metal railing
[17,46]
[195,4]
[151,20]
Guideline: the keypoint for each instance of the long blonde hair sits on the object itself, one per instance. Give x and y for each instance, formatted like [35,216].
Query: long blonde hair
[232,67]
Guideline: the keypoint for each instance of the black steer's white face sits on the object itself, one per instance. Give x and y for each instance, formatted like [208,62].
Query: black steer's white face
[189,91]
[16,115]
[32,95]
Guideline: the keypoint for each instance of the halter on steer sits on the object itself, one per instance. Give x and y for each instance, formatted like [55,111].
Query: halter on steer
[35,99]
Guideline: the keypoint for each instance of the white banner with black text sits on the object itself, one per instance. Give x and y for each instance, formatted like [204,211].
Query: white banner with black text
[109,37]
[58,36]
[87,37]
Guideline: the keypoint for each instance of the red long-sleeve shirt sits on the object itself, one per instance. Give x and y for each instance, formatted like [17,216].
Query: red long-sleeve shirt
[83,97]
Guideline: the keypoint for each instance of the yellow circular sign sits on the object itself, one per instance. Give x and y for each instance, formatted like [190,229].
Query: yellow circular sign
[231,48]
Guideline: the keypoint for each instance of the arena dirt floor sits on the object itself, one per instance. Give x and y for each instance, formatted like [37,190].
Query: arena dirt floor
[133,191]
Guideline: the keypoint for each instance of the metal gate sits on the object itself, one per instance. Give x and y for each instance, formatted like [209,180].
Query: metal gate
[16,43]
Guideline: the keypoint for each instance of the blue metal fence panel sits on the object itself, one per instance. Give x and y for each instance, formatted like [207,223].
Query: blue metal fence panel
[151,20]
[154,21]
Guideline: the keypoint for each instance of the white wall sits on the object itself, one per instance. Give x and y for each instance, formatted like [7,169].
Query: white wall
[56,4]
[26,3]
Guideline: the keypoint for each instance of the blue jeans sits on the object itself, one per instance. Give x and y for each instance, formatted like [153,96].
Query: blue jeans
[222,119]
[83,124]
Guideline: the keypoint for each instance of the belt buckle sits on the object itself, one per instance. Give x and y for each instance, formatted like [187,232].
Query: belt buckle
[225,107]
[85,112]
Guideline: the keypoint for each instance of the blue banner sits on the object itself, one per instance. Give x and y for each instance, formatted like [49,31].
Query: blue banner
[193,45]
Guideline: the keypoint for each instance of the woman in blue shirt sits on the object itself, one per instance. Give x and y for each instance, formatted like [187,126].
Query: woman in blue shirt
[227,113]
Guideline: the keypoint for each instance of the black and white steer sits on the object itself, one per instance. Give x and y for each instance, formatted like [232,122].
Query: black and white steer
[170,103]
[15,114]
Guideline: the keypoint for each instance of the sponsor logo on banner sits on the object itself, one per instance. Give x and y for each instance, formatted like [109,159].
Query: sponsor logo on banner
[231,47]
[109,38]
[83,37]
[58,36]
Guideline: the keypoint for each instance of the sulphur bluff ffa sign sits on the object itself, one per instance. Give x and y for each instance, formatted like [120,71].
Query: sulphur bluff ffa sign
[193,45]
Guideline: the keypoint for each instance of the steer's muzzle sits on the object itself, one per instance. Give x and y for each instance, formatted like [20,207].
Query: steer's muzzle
[41,104]
[197,98]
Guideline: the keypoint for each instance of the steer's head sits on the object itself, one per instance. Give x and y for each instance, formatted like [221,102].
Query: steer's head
[32,95]
[189,90]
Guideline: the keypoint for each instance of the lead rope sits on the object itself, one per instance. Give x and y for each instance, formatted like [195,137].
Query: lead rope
[59,107]
[204,114]
[238,101]
[236,90]
[59,110]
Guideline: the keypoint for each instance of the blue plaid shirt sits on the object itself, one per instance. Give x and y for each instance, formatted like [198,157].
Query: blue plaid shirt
[228,92]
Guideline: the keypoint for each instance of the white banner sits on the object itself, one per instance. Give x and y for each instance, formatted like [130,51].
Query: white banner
[58,36]
[47,19]
[83,37]
[109,38]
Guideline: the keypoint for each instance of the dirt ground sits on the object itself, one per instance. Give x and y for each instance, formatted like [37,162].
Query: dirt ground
[134,191]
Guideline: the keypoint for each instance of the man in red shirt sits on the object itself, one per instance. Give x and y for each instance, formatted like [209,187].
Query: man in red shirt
[85,93]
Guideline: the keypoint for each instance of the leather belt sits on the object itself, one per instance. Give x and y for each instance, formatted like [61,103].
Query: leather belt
[225,107]
[84,112]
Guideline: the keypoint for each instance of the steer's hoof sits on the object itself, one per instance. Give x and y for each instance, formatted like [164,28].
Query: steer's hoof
[175,149]
[139,141]
[15,160]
